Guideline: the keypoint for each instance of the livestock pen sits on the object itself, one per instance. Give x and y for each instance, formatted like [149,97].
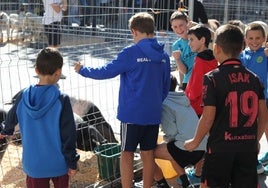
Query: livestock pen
[100,35]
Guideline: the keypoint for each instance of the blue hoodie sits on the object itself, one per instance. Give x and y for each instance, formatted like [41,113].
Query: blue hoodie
[144,70]
[257,62]
[48,131]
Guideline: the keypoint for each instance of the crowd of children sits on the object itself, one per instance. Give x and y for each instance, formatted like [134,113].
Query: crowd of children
[249,49]
[254,57]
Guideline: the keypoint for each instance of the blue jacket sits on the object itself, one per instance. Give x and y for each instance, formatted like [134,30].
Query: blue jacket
[257,62]
[48,131]
[144,70]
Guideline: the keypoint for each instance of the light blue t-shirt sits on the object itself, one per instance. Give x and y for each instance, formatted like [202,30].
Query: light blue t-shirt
[187,56]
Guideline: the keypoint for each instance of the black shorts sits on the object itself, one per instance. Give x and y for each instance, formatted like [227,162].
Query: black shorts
[53,33]
[133,134]
[223,169]
[184,157]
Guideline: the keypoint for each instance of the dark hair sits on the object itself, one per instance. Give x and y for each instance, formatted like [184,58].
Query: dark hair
[231,39]
[48,61]
[255,27]
[142,22]
[173,83]
[178,15]
[201,31]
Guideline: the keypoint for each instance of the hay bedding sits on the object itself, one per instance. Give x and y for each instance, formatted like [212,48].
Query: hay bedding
[12,176]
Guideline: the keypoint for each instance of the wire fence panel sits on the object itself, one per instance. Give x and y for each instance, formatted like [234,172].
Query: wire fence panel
[92,32]
[246,11]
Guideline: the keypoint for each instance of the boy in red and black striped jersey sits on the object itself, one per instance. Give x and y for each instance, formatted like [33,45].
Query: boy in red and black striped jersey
[234,115]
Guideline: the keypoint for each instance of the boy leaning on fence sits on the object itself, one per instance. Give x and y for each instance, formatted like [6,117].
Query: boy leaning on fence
[47,126]
[144,70]
[177,128]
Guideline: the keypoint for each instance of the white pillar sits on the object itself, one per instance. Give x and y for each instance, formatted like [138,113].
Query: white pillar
[191,9]
[225,19]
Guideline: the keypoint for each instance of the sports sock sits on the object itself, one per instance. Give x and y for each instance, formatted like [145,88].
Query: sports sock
[184,180]
[163,183]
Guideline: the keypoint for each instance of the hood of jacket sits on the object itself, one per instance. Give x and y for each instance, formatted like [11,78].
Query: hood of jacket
[38,99]
[173,98]
[179,120]
[206,55]
[152,49]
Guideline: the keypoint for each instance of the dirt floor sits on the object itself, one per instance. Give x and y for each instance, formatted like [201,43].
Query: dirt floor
[12,176]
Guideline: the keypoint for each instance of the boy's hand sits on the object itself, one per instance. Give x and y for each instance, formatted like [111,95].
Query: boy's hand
[71,172]
[77,66]
[190,145]
[64,5]
[176,54]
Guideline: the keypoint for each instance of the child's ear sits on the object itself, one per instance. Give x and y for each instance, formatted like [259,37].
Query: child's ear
[216,49]
[59,71]
[203,40]
[36,71]
[134,32]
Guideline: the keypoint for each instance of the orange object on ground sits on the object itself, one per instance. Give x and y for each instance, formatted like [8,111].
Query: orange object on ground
[165,165]
[167,168]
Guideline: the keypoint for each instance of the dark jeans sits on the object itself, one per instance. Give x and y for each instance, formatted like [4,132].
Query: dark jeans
[53,32]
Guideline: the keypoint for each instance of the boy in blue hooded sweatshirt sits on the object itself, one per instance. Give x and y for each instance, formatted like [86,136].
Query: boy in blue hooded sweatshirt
[144,70]
[47,126]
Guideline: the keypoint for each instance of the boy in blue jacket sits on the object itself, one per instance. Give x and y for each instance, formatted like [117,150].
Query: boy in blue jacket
[47,126]
[144,70]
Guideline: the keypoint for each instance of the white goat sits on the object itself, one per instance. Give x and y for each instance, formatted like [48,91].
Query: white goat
[16,22]
[4,26]
[33,25]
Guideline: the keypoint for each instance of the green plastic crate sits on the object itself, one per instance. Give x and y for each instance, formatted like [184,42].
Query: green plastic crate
[108,156]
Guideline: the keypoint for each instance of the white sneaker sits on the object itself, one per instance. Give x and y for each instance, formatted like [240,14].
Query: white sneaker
[260,168]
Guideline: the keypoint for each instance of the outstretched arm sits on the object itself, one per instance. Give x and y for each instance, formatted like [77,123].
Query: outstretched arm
[77,66]
[204,125]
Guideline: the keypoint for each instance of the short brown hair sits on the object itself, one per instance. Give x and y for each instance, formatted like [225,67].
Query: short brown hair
[231,39]
[201,31]
[255,27]
[173,83]
[48,61]
[178,15]
[142,22]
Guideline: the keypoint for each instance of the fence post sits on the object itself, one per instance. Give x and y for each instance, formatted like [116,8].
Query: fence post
[191,9]
[226,4]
